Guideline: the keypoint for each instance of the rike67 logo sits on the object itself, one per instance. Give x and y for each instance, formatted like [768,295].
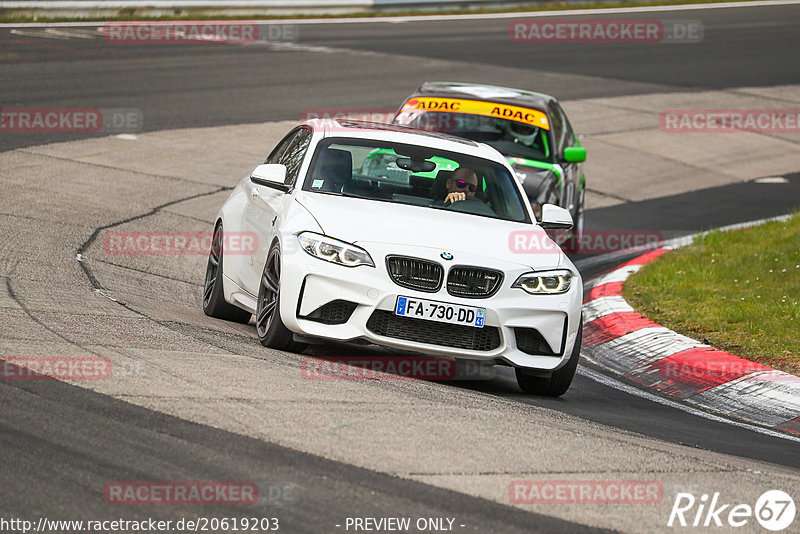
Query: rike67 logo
[774,510]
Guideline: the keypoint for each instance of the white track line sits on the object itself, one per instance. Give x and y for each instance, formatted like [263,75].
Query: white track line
[631,390]
[432,18]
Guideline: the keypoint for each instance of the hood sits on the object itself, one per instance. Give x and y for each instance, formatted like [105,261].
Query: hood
[362,221]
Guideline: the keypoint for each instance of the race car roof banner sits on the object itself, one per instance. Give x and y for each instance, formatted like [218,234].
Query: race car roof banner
[476,107]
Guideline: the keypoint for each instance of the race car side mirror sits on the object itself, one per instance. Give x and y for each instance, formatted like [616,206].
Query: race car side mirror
[555,218]
[270,175]
[575,154]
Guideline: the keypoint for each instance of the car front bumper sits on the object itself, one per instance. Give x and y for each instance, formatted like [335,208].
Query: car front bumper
[308,284]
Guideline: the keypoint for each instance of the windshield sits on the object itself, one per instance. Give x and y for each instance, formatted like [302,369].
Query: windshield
[510,138]
[415,175]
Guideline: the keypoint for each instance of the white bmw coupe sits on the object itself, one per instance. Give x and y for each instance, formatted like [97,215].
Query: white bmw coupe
[346,249]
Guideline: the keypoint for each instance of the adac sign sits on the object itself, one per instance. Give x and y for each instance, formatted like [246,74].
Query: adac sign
[476,107]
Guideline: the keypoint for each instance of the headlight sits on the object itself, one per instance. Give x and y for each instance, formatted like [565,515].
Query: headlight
[545,282]
[334,251]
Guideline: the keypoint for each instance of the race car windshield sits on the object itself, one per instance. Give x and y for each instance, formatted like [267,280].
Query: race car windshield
[369,169]
[510,138]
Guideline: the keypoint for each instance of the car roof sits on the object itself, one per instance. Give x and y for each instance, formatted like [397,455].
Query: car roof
[486,93]
[403,134]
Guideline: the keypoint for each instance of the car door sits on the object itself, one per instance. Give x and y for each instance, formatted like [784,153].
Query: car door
[265,204]
[572,171]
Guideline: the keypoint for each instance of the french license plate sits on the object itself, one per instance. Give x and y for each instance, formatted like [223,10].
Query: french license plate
[440,311]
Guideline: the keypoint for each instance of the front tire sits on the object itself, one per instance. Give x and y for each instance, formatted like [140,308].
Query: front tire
[271,331]
[558,383]
[214,303]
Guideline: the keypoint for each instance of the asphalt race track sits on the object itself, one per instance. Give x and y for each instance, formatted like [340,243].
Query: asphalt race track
[197,399]
[374,65]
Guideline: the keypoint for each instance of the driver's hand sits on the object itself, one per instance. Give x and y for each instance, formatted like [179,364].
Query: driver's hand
[454,197]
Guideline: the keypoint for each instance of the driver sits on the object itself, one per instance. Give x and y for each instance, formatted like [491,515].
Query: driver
[461,185]
[523,134]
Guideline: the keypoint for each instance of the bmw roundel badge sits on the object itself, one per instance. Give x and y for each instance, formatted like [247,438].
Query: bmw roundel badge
[447,256]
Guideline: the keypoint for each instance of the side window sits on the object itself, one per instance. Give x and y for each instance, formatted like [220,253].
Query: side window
[281,147]
[556,129]
[569,135]
[293,155]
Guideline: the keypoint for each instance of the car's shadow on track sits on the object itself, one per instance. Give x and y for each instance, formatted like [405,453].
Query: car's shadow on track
[370,362]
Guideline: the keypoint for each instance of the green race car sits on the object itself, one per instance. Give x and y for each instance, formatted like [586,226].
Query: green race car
[530,129]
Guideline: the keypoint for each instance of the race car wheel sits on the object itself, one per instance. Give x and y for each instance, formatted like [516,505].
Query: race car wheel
[214,304]
[269,326]
[559,381]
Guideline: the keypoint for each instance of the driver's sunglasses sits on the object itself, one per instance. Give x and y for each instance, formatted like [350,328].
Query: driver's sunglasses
[461,184]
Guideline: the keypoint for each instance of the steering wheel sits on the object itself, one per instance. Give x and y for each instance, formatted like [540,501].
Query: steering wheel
[471,205]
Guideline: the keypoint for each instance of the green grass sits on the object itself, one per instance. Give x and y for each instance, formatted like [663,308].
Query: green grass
[739,291]
[11,15]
